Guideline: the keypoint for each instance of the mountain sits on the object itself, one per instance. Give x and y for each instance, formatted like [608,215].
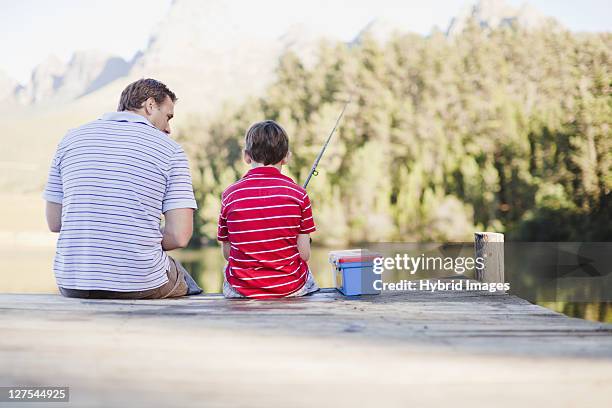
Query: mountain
[45,80]
[381,30]
[88,71]
[208,52]
[212,51]
[303,41]
[204,51]
[7,86]
[490,14]
[54,81]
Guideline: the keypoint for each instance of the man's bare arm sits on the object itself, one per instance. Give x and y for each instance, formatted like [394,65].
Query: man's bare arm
[53,212]
[178,228]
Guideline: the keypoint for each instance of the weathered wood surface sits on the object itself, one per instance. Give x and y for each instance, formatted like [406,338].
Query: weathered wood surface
[490,246]
[399,348]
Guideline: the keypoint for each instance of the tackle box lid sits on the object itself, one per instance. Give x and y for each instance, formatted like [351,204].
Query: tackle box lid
[353,256]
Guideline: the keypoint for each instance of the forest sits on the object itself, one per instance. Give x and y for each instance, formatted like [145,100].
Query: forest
[504,130]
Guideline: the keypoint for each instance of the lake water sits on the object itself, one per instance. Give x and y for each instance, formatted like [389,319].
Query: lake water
[29,270]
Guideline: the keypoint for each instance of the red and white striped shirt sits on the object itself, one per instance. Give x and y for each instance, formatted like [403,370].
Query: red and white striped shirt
[261,216]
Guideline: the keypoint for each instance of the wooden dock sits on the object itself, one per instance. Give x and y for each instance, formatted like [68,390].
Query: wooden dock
[397,349]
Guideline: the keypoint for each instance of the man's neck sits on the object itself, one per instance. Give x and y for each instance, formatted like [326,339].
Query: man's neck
[278,166]
[140,112]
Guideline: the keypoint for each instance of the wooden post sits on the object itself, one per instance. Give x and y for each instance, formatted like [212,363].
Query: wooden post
[490,246]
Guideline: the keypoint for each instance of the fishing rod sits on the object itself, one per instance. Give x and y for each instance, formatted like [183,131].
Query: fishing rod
[313,170]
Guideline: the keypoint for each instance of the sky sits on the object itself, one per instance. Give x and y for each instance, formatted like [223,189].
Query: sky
[32,30]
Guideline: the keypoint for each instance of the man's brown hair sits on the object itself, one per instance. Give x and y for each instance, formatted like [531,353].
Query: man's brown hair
[266,142]
[136,93]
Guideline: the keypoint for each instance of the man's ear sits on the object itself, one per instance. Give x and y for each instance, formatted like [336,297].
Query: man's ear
[286,158]
[247,158]
[148,105]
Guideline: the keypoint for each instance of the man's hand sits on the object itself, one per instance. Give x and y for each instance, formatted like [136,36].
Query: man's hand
[53,212]
[178,229]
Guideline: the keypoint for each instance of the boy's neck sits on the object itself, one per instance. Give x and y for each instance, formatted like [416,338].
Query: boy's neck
[278,166]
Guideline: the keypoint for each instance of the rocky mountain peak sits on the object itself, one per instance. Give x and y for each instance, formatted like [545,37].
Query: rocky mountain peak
[491,14]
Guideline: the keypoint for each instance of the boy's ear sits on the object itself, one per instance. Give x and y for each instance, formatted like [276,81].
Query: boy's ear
[286,158]
[247,158]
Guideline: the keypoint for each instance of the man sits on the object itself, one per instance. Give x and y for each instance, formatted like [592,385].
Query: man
[109,183]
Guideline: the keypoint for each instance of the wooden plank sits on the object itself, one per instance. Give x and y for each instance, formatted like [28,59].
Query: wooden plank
[392,349]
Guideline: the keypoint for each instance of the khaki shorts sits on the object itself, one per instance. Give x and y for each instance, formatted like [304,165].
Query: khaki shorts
[175,287]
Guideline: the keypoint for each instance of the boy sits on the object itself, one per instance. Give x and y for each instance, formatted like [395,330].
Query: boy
[265,223]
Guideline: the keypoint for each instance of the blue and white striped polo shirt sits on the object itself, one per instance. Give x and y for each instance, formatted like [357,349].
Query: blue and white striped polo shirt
[114,178]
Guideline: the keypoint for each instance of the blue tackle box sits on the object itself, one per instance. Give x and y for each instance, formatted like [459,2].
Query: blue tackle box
[353,272]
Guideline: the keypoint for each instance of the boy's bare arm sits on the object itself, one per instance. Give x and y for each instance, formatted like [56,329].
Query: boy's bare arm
[226,249]
[303,244]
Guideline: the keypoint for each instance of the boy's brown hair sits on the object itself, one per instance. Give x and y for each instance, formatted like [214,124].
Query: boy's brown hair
[266,142]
